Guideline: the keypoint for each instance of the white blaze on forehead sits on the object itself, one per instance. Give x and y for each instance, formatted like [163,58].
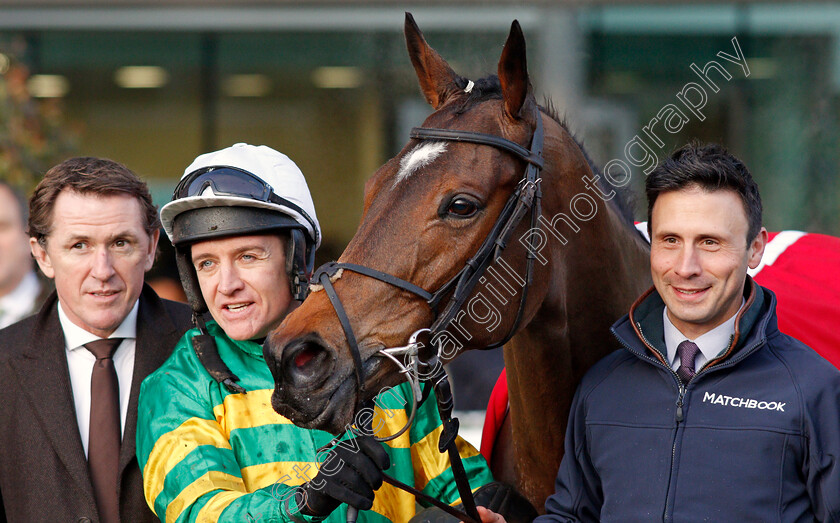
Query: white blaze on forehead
[421,156]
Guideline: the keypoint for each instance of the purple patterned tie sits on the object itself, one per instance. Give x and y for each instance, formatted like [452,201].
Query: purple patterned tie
[104,436]
[687,351]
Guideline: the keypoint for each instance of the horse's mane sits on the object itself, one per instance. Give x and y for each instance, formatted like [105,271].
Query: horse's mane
[489,88]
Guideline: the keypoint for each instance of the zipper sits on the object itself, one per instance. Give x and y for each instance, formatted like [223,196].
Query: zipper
[679,416]
[680,419]
[716,363]
[659,362]
[680,404]
[653,360]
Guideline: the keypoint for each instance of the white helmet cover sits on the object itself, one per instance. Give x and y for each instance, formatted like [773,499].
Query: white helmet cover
[273,167]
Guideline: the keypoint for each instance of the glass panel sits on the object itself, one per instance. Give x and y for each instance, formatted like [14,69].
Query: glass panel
[154,131]
[781,119]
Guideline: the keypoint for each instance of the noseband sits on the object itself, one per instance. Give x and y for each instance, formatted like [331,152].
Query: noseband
[526,197]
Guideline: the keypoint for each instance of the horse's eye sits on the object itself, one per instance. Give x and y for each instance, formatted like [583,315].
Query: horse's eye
[462,207]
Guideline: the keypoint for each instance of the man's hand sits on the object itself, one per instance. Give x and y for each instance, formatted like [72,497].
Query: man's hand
[349,474]
[488,516]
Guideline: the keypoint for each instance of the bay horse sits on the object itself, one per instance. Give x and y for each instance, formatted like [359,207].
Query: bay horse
[426,213]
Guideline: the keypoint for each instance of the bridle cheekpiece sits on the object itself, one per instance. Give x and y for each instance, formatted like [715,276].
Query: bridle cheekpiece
[525,198]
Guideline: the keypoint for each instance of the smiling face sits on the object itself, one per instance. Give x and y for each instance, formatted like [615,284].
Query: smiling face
[699,256]
[243,281]
[98,252]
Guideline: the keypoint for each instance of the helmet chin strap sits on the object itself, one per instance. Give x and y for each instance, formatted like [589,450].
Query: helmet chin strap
[205,348]
[296,264]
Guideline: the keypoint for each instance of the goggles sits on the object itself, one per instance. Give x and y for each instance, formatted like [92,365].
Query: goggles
[231,181]
[225,181]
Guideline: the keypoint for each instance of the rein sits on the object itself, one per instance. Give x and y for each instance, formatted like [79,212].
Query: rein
[525,198]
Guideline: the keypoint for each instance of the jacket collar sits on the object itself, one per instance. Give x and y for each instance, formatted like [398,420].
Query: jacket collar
[44,376]
[154,327]
[45,380]
[251,347]
[642,329]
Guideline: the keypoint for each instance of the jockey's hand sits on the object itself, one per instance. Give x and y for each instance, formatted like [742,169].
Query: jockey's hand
[349,474]
[496,503]
[488,516]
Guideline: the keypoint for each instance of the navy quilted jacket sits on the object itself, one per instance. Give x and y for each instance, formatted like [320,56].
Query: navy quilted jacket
[754,436]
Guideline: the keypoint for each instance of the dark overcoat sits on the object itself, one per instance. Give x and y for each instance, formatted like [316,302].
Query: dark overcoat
[43,471]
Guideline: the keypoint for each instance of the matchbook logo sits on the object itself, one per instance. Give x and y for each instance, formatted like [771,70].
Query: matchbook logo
[734,401]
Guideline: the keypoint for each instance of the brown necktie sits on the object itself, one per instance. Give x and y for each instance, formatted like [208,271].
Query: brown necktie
[104,435]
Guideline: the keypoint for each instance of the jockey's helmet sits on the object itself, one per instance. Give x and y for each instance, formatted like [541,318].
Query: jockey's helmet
[243,189]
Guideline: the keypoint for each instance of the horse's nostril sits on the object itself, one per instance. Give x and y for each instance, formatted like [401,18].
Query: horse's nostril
[305,356]
[308,363]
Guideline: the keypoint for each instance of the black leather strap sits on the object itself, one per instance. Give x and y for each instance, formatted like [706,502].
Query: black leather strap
[520,202]
[387,278]
[324,279]
[452,135]
[205,348]
[420,495]
[474,268]
[526,197]
[447,441]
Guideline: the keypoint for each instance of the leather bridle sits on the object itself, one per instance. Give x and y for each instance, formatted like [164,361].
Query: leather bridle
[525,198]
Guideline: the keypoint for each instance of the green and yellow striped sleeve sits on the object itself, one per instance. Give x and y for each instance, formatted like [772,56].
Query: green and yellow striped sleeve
[209,455]
[191,471]
[419,462]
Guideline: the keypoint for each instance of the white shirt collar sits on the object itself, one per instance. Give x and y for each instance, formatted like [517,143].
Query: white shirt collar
[75,337]
[711,344]
[20,301]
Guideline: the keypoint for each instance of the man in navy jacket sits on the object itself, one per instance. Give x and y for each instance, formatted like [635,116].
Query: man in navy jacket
[708,412]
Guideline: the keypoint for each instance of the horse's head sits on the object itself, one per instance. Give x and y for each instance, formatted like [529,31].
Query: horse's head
[426,212]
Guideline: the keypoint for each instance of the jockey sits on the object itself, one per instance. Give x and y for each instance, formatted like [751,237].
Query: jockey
[209,444]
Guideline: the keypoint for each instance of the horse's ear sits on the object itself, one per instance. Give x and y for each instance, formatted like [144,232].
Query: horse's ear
[513,72]
[437,79]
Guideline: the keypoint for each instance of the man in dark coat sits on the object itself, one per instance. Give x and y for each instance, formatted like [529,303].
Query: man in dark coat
[708,412]
[68,407]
